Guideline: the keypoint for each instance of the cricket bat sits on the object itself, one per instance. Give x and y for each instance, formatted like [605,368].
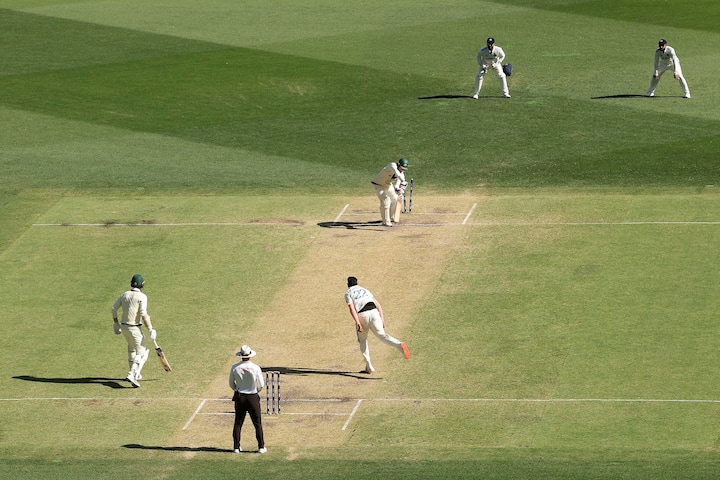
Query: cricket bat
[161,356]
[399,207]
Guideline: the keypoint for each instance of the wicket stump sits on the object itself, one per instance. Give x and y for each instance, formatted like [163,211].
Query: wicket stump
[272,392]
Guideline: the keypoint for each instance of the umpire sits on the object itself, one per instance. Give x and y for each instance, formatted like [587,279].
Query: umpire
[246,380]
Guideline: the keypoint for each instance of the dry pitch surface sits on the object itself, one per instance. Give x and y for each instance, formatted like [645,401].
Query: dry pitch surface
[315,348]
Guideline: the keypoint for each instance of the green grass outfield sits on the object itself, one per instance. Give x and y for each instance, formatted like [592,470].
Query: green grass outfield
[571,331]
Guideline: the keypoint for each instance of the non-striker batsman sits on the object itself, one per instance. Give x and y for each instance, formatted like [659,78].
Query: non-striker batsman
[133,303]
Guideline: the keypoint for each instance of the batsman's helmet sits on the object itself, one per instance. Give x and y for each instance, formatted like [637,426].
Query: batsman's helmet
[662,42]
[403,162]
[137,281]
[490,41]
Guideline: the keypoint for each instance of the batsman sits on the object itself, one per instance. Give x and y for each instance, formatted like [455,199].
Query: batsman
[389,187]
[133,303]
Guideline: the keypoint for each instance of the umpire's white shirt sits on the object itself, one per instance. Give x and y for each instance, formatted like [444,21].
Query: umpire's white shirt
[247,378]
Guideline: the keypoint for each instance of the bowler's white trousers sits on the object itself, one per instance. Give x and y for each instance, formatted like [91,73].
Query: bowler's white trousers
[371,320]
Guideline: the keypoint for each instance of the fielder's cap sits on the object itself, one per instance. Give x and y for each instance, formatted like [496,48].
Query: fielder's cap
[246,352]
[662,42]
[404,163]
[490,41]
[137,281]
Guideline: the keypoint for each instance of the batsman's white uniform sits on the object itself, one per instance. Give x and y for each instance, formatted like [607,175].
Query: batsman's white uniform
[134,314]
[491,60]
[369,313]
[667,60]
[386,183]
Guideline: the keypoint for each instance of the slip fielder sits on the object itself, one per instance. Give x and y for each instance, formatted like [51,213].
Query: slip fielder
[666,59]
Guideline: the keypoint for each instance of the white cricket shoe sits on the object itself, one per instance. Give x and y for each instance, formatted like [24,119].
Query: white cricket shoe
[476,96]
[687,96]
[131,378]
[507,96]
[237,450]
[262,450]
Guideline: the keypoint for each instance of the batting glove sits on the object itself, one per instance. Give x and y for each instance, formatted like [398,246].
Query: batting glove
[153,334]
[116,328]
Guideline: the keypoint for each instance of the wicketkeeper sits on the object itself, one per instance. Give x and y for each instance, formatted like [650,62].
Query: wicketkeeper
[388,183]
[134,314]
[491,58]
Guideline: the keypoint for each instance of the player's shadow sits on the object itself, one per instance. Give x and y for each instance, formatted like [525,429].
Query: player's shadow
[108,382]
[137,446]
[444,96]
[374,225]
[313,371]
[635,95]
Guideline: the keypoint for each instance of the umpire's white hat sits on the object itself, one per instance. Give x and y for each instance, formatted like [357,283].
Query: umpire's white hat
[246,352]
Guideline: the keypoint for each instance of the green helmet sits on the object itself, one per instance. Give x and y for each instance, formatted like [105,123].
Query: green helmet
[403,162]
[137,281]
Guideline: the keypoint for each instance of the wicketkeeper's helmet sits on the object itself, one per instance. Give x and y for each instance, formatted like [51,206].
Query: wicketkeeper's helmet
[137,281]
[403,162]
[507,69]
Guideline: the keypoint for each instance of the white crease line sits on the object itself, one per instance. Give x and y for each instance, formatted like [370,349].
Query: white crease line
[467,217]
[342,212]
[352,414]
[581,224]
[340,400]
[197,410]
[191,224]
[415,214]
[284,413]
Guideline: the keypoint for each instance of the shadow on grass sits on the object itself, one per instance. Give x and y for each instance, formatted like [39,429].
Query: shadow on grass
[108,382]
[374,225]
[177,449]
[634,95]
[314,371]
[444,96]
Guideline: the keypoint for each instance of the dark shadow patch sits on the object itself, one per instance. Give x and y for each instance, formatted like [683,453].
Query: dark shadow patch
[108,382]
[444,96]
[622,95]
[137,446]
[353,225]
[314,371]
